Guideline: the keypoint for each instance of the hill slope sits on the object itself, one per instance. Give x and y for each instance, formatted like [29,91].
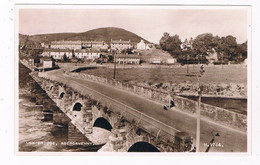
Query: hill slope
[153,53]
[100,34]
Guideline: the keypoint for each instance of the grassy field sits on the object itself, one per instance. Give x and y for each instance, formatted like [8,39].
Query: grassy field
[178,74]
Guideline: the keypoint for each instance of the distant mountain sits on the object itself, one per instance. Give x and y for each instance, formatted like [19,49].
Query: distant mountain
[100,34]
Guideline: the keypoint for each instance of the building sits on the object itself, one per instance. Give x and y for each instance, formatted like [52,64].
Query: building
[120,45]
[46,45]
[187,44]
[66,45]
[95,45]
[31,62]
[87,54]
[142,46]
[46,62]
[212,56]
[171,61]
[127,59]
[59,54]
[75,45]
[155,61]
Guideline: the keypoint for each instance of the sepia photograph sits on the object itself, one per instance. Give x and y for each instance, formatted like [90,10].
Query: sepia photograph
[140,78]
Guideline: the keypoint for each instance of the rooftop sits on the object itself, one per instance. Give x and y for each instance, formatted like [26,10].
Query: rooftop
[68,50]
[120,41]
[65,42]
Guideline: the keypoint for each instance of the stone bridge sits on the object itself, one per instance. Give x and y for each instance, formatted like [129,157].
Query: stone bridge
[129,130]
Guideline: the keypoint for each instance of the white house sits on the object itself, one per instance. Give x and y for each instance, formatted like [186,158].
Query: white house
[171,61]
[46,62]
[142,46]
[212,55]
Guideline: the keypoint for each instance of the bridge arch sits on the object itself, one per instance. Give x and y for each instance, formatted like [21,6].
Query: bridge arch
[61,95]
[51,87]
[77,106]
[143,146]
[102,123]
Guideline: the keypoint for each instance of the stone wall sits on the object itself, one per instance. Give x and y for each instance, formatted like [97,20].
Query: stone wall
[216,114]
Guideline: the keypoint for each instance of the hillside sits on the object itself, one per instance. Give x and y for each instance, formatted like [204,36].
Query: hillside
[26,42]
[153,53]
[100,34]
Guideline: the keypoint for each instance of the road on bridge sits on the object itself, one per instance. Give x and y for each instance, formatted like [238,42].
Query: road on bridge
[230,140]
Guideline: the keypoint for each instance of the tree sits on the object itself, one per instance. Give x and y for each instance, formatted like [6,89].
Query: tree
[164,40]
[228,47]
[73,53]
[172,44]
[110,58]
[203,43]
[65,58]
[241,51]
[127,51]
[175,43]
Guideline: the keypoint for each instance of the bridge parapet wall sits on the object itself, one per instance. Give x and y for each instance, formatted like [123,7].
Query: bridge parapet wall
[220,115]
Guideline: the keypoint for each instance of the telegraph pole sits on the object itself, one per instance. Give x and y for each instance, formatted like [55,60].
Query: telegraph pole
[188,64]
[198,110]
[198,121]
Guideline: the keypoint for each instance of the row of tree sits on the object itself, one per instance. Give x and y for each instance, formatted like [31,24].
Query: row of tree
[227,47]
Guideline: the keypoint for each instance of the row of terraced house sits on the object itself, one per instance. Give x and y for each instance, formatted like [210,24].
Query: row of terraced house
[78,45]
[59,54]
[88,50]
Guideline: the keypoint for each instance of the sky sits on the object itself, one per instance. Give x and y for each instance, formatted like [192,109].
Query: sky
[148,23]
